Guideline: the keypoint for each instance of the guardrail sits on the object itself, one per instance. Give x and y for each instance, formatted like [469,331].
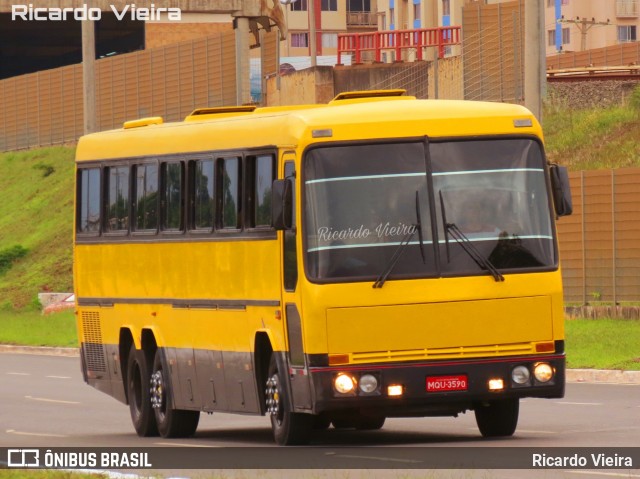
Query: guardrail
[397,40]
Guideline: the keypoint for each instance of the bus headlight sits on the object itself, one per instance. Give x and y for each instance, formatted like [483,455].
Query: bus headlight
[520,375]
[344,384]
[368,383]
[543,372]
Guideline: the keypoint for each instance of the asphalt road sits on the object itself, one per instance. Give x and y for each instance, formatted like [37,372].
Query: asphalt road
[45,403]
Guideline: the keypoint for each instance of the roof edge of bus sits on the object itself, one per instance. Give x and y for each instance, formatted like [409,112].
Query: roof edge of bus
[360,94]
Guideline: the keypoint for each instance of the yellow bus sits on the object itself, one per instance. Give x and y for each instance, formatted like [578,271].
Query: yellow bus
[378,256]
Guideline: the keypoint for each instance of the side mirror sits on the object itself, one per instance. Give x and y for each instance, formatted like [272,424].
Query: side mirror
[561,190]
[282,204]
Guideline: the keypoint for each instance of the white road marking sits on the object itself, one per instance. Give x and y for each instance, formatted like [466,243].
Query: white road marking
[58,401]
[18,374]
[375,458]
[59,377]
[178,444]
[609,474]
[568,403]
[531,431]
[21,433]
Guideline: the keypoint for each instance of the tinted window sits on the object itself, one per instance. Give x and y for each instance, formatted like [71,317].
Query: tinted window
[203,191]
[117,199]
[146,197]
[229,182]
[89,200]
[261,191]
[494,192]
[360,205]
[172,196]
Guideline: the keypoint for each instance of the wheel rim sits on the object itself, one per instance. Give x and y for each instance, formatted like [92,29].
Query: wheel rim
[274,399]
[158,397]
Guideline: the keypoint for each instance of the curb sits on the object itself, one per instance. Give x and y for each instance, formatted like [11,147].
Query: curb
[602,376]
[39,350]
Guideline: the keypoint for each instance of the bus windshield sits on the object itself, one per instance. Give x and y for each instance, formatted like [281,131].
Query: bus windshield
[489,195]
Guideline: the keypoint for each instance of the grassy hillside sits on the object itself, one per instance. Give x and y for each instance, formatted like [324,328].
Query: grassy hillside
[36,195]
[36,203]
[593,139]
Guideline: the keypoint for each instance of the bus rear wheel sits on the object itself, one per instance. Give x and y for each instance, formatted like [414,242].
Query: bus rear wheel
[498,417]
[138,375]
[289,428]
[171,422]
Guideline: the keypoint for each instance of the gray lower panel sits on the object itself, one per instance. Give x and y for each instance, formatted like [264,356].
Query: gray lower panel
[199,379]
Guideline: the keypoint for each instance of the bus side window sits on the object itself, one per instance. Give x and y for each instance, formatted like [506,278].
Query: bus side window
[146,197]
[228,194]
[88,215]
[260,176]
[202,196]
[172,196]
[290,253]
[117,199]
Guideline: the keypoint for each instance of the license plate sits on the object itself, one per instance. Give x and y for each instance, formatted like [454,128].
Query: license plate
[447,383]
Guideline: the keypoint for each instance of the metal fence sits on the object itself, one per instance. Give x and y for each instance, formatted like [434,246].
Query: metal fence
[600,242]
[493,50]
[46,108]
[615,55]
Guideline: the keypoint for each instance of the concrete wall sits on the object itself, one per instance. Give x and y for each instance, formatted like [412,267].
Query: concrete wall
[309,86]
[412,77]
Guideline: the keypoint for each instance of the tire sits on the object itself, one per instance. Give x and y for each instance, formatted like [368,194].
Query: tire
[171,422]
[321,422]
[138,394]
[497,418]
[369,423]
[288,428]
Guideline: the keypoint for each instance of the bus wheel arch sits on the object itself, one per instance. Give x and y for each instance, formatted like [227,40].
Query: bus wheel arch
[124,347]
[171,422]
[289,428]
[263,350]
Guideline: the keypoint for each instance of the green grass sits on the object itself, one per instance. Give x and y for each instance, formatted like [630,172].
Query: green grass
[603,344]
[36,213]
[31,328]
[42,474]
[592,139]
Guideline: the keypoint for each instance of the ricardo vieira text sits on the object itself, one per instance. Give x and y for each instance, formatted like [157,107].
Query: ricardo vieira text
[29,12]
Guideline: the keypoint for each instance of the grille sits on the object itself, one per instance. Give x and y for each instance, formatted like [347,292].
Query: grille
[93,349]
[445,353]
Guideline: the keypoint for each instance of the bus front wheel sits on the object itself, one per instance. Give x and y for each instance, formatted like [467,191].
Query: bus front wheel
[289,428]
[498,417]
[171,422]
[138,394]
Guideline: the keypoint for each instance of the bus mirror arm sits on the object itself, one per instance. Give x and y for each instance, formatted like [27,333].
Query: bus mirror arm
[561,190]
[282,204]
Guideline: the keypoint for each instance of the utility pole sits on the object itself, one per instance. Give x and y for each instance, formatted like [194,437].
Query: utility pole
[534,56]
[89,76]
[584,26]
[313,40]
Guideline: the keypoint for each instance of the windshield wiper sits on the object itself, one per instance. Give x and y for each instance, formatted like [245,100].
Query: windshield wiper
[382,278]
[467,245]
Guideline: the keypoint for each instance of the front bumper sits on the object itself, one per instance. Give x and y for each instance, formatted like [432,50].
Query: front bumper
[417,401]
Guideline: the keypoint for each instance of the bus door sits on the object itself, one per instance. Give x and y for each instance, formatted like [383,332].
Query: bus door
[298,371]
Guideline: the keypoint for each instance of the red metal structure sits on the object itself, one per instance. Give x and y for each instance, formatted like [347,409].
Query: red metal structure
[397,40]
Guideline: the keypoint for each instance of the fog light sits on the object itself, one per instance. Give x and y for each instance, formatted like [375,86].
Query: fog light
[368,383]
[520,375]
[543,372]
[395,390]
[496,384]
[344,384]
